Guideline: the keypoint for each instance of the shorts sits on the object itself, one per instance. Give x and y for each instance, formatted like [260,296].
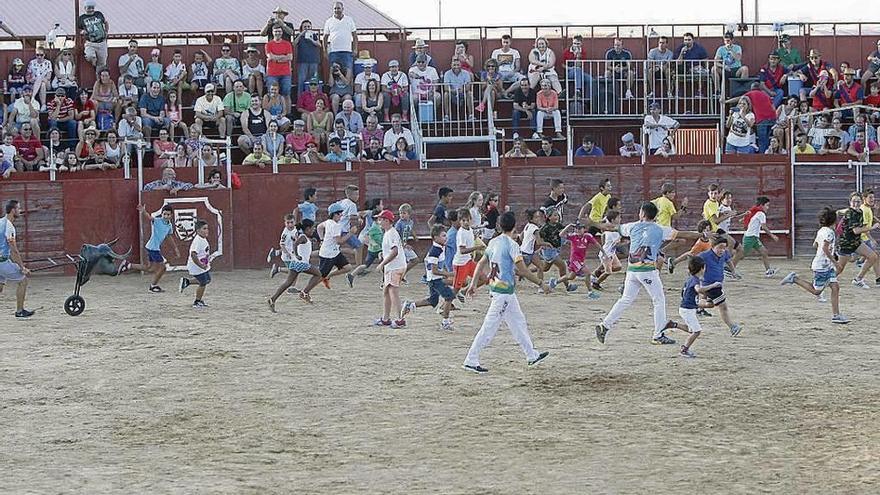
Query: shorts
[97,51]
[751,243]
[344,59]
[183,86]
[594,231]
[393,278]
[371,258]
[203,278]
[549,254]
[199,83]
[10,272]
[716,296]
[871,243]
[437,289]
[747,149]
[576,267]
[284,83]
[723,232]
[690,319]
[823,278]
[353,242]
[410,254]
[528,258]
[327,264]
[155,256]
[463,273]
[298,266]
[848,250]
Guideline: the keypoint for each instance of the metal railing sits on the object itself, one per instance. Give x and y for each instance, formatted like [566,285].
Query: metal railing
[619,89]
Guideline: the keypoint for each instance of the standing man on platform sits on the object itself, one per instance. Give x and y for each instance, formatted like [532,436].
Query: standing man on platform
[340,39]
[287,28]
[94,27]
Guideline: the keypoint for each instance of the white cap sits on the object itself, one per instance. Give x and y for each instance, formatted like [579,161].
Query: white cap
[89,3]
[209,87]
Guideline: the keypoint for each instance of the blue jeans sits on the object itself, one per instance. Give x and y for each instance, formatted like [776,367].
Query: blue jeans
[580,79]
[778,97]
[729,148]
[283,82]
[519,114]
[69,125]
[344,59]
[304,72]
[764,128]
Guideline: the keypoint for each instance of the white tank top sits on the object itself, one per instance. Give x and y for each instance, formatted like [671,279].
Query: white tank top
[304,250]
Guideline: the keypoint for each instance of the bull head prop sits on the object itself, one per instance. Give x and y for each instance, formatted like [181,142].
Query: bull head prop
[100,259]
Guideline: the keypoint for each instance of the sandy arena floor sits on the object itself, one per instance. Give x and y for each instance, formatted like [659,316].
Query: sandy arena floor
[142,394]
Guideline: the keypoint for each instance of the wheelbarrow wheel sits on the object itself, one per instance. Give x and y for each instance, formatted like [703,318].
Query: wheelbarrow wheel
[75,305]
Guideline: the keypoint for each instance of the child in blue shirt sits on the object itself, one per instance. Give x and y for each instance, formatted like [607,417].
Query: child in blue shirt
[451,234]
[690,302]
[716,259]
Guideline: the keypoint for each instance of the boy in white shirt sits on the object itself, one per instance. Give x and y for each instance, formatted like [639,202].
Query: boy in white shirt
[756,221]
[330,255]
[394,265]
[463,263]
[198,264]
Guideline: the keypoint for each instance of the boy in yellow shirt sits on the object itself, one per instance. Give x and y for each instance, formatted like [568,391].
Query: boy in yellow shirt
[666,211]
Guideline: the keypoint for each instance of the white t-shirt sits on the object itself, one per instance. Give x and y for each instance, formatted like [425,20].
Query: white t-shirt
[391,137]
[288,238]
[755,223]
[820,261]
[528,240]
[422,80]
[349,209]
[464,239]
[304,250]
[329,246]
[361,79]
[612,239]
[210,108]
[657,134]
[202,249]
[400,79]
[339,32]
[725,225]
[391,239]
[740,131]
[136,68]
[9,152]
[506,60]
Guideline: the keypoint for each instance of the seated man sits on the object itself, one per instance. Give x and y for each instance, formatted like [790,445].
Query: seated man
[30,151]
[848,93]
[509,63]
[657,127]
[861,124]
[254,123]
[305,103]
[61,113]
[424,82]
[630,147]
[168,182]
[728,63]
[577,70]
[353,120]
[396,132]
[860,147]
[235,103]
[395,91]
[131,64]
[873,65]
[348,141]
[298,139]
[258,157]
[773,77]
[209,110]
[420,49]
[25,110]
[152,105]
[524,103]
[618,65]
[336,154]
[457,91]
[659,59]
[689,60]
[789,57]
[588,147]
[811,72]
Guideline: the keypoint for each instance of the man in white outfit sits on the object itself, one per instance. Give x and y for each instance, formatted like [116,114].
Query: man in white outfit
[645,257]
[506,264]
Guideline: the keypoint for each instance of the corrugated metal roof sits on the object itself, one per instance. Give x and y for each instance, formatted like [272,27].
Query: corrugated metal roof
[36,17]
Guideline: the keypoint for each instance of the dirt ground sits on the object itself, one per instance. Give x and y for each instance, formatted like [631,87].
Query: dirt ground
[143,394]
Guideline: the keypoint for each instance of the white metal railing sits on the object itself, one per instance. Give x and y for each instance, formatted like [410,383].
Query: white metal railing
[441,113]
[608,88]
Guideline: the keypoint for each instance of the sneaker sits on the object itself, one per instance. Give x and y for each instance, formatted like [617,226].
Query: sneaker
[553,283]
[350,279]
[398,323]
[571,288]
[703,312]
[270,255]
[597,286]
[686,353]
[293,290]
[155,289]
[123,267]
[559,135]
[821,298]
[770,272]
[305,297]
[407,308]
[670,324]
[539,358]
[789,279]
[670,266]
[734,275]
[601,332]
[735,329]
[184,283]
[326,282]
[593,295]
[877,282]
[446,325]
[460,297]
[662,340]
[271,304]
[274,271]
[24,313]
[379,322]
[860,283]
[840,319]
[629,95]
[198,303]
[475,368]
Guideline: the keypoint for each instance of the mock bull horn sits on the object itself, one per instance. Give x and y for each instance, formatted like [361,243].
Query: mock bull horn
[120,256]
[114,241]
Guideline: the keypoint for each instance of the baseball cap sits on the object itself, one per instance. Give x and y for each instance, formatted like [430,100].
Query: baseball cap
[209,87]
[393,63]
[386,214]
[89,3]
[421,58]
[335,208]
[628,137]
[60,91]
[299,122]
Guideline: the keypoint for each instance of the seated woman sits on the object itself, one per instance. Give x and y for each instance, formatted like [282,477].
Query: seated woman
[341,87]
[113,149]
[401,151]
[164,150]
[84,111]
[519,150]
[775,147]
[372,100]
[542,65]
[666,149]
[461,54]
[547,103]
[258,157]
[215,181]
[55,146]
[273,141]
[289,157]
[194,142]
[180,158]
[831,146]
[207,157]
[740,125]
[277,106]
[87,154]
[319,123]
[106,97]
[492,85]
[65,74]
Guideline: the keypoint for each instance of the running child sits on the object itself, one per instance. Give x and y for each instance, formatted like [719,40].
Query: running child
[580,240]
[404,227]
[594,210]
[849,244]
[505,264]
[394,266]
[755,222]
[306,210]
[198,264]
[491,217]
[463,263]
[726,214]
[704,243]
[289,234]
[296,251]
[436,277]
[551,244]
[824,266]
[530,241]
[867,238]
[160,228]
[374,237]
[715,260]
[330,254]
[691,294]
[666,211]
[451,241]
[351,220]
[609,262]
